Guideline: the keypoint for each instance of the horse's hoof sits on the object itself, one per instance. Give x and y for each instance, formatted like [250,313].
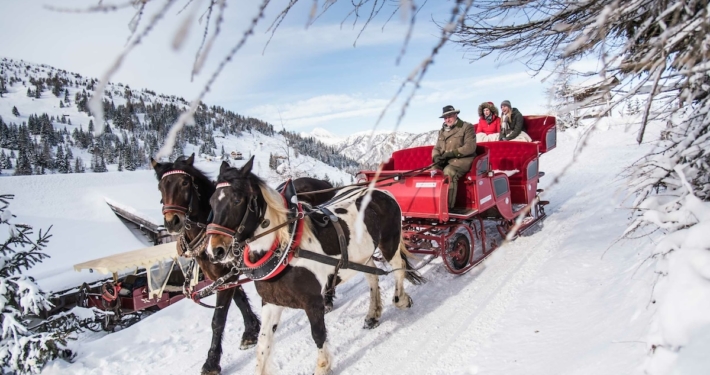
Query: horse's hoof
[210,370]
[327,307]
[247,344]
[371,323]
[403,303]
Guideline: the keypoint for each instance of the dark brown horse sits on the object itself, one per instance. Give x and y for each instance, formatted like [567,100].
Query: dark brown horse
[185,194]
[245,206]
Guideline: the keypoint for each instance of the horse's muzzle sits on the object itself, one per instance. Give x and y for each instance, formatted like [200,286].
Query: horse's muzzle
[219,248]
[174,223]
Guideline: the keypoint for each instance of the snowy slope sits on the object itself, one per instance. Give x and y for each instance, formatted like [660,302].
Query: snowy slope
[550,303]
[85,228]
[250,143]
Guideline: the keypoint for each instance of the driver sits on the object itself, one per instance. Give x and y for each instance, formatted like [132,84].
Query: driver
[455,149]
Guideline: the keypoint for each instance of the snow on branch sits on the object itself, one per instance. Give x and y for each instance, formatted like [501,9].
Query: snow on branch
[24,349]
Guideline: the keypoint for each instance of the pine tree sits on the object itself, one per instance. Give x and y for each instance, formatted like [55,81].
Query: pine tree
[26,350]
[3,87]
[15,111]
[61,162]
[61,104]
[24,168]
[78,165]
[91,126]
[129,158]
[99,166]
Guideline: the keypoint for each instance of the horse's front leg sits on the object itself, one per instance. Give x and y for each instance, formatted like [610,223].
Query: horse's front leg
[270,316]
[251,321]
[372,319]
[316,316]
[211,366]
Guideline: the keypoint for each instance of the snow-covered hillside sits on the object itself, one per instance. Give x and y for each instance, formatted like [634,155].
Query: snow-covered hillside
[560,301]
[135,129]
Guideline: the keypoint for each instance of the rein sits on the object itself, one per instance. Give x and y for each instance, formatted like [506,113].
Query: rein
[396,178]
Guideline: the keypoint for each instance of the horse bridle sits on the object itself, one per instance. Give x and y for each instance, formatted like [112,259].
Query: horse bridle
[187,211]
[252,206]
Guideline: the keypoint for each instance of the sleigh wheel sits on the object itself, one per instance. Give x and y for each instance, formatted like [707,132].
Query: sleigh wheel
[457,255]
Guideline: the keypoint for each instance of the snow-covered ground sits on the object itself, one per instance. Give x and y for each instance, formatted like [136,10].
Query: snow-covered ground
[83,225]
[560,301]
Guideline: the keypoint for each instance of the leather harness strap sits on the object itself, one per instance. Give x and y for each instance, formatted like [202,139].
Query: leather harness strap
[341,239]
[320,258]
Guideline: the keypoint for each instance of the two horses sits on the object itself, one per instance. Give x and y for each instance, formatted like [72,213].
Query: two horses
[185,192]
[255,217]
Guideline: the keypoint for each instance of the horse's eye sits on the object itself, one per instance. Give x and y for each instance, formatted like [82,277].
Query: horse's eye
[185,183]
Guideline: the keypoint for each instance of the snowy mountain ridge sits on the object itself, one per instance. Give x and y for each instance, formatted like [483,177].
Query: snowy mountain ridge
[45,125]
[370,150]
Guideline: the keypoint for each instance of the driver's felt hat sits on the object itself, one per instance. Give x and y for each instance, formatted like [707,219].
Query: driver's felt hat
[449,109]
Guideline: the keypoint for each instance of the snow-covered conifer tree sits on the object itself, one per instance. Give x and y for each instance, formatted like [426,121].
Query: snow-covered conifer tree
[24,167]
[24,349]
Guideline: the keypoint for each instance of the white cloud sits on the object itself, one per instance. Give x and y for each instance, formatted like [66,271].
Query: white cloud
[318,110]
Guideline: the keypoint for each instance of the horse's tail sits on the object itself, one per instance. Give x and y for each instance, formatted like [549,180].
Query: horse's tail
[411,274]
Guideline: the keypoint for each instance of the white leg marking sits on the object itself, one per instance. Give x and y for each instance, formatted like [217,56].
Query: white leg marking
[401,299]
[270,316]
[324,360]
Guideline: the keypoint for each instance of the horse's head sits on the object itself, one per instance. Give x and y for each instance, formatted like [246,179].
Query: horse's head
[176,182]
[238,208]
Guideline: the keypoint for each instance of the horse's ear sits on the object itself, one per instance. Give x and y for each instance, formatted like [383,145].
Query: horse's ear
[223,167]
[191,159]
[154,164]
[246,169]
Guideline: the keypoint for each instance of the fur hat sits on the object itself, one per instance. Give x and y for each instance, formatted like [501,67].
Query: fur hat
[449,109]
[506,103]
[488,105]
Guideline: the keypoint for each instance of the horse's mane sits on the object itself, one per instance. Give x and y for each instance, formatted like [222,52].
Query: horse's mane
[275,207]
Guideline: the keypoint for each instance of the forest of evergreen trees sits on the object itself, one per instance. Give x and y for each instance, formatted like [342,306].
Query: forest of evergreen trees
[132,134]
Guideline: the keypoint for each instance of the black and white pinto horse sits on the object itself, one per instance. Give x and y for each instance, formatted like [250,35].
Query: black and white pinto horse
[185,192]
[241,196]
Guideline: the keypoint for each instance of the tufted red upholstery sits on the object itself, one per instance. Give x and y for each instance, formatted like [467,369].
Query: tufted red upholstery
[411,158]
[510,155]
[537,128]
[420,157]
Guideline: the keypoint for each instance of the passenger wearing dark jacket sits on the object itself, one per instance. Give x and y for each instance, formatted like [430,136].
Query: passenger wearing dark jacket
[512,127]
[455,149]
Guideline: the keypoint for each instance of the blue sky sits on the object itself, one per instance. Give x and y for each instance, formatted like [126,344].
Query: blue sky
[306,78]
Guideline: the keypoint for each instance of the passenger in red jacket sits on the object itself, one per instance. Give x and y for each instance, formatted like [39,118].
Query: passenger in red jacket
[488,128]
